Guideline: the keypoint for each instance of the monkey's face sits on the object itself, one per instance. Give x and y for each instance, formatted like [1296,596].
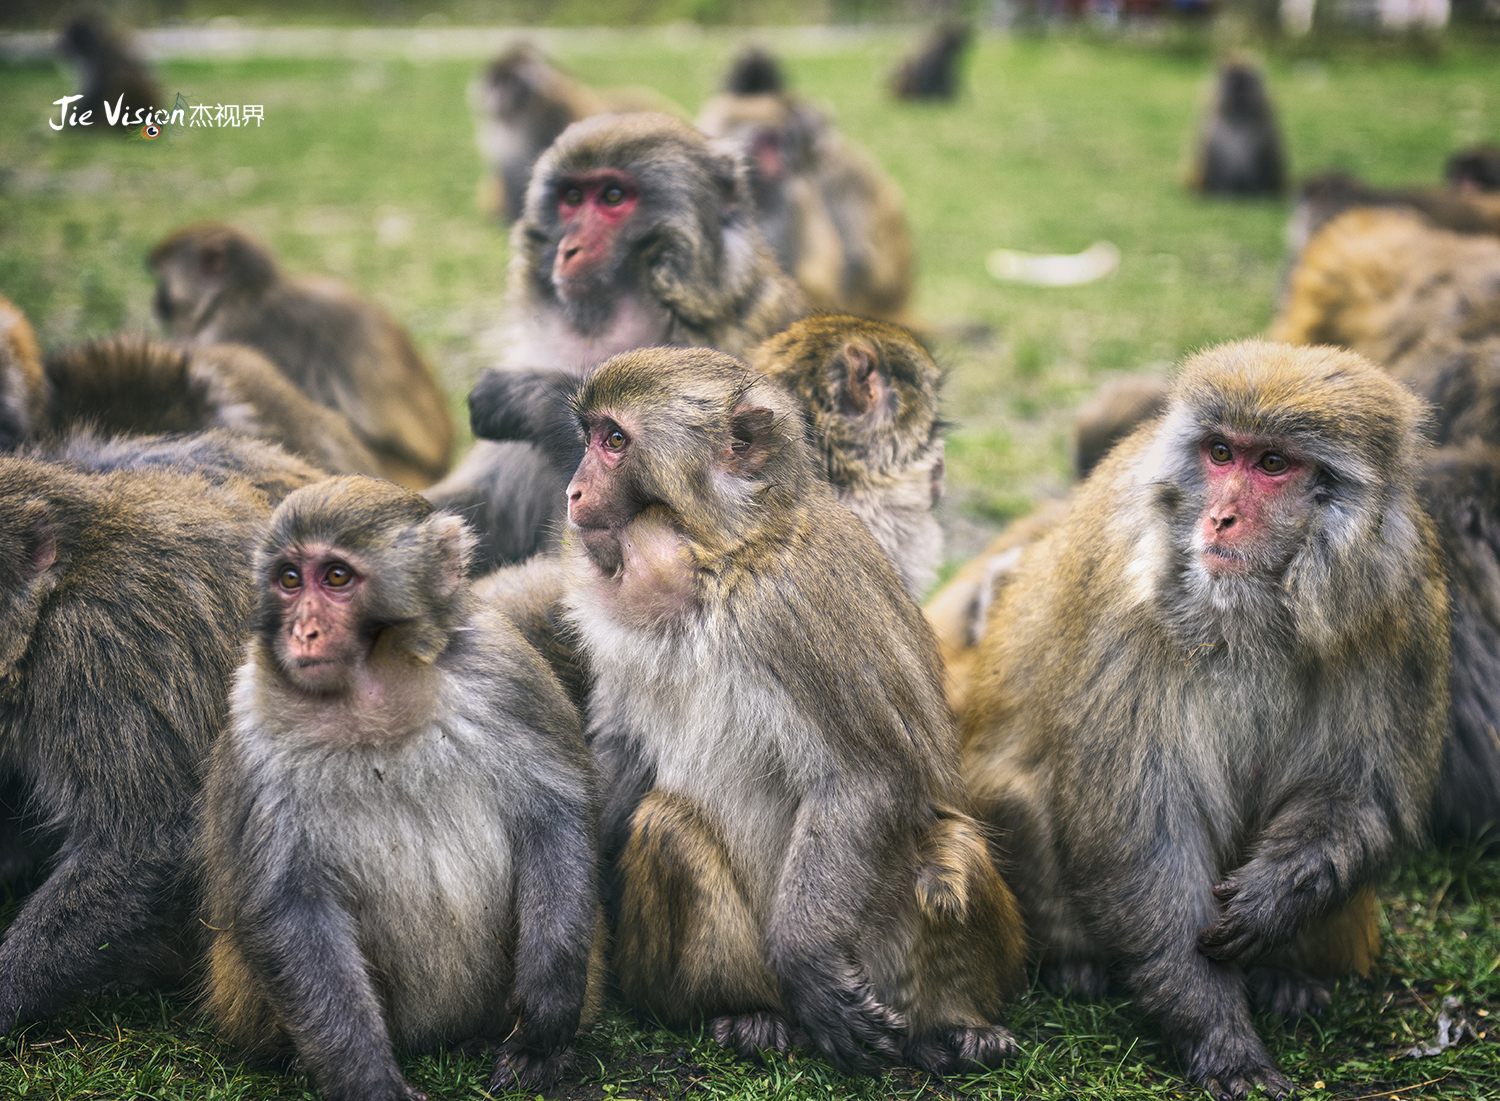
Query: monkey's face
[186,280]
[600,502]
[1257,495]
[593,212]
[321,639]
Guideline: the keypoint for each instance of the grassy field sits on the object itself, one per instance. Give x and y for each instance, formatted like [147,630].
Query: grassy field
[367,170]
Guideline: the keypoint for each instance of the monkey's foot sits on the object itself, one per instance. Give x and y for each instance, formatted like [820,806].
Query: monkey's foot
[851,1028]
[959,1050]
[749,1034]
[1083,977]
[1232,1063]
[1234,1085]
[1288,994]
[527,1069]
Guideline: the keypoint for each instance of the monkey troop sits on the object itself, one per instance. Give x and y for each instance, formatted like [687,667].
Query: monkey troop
[1210,706]
[399,835]
[785,831]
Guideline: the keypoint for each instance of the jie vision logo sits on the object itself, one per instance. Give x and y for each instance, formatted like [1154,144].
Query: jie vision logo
[150,123]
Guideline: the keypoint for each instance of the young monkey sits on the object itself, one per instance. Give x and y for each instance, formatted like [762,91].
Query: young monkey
[399,836]
[785,832]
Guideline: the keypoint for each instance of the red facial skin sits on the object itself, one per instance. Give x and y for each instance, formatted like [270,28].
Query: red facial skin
[321,643]
[1248,480]
[596,504]
[592,208]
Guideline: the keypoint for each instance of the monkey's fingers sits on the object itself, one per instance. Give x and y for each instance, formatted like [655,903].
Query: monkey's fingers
[748,1035]
[851,1028]
[1232,940]
[962,1050]
[527,1068]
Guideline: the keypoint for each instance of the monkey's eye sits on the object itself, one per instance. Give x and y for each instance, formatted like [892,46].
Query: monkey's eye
[338,576]
[288,578]
[572,196]
[614,196]
[615,439]
[1273,462]
[1219,452]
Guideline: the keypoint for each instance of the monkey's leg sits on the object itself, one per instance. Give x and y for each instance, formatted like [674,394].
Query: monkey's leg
[1307,861]
[687,942]
[967,955]
[1291,980]
[106,913]
[557,910]
[303,945]
[1151,909]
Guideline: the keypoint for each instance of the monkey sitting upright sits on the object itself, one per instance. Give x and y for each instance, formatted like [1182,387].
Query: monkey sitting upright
[785,833]
[1211,704]
[1240,152]
[399,834]
[218,285]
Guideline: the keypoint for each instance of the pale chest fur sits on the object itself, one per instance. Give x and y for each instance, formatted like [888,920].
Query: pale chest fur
[725,742]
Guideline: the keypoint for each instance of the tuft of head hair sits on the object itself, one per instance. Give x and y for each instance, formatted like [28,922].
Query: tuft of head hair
[827,360]
[1340,407]
[412,556]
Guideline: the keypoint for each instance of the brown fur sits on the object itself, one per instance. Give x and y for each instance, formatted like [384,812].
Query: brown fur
[22,389]
[1190,768]
[217,285]
[869,392]
[131,384]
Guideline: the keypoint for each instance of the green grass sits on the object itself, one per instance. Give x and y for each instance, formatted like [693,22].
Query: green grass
[367,170]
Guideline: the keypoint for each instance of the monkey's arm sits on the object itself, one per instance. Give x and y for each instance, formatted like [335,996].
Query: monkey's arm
[1319,848]
[530,406]
[557,905]
[302,943]
[817,916]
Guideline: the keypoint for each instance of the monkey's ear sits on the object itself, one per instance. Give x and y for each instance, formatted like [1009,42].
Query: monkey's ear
[455,543]
[751,428]
[861,384]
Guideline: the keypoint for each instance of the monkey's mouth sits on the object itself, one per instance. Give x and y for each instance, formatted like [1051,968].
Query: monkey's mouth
[1222,560]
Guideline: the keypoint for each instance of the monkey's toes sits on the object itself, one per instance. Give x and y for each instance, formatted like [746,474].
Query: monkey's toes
[1236,1085]
[750,1034]
[856,1029]
[962,1050]
[526,1069]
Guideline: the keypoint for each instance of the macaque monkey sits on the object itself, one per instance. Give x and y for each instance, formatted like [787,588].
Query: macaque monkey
[1474,169]
[836,222]
[217,285]
[399,828]
[121,627]
[1324,197]
[933,71]
[637,232]
[785,833]
[1382,281]
[1210,706]
[133,384]
[1240,152]
[524,102]
[755,71]
[22,391]
[111,73]
[1461,488]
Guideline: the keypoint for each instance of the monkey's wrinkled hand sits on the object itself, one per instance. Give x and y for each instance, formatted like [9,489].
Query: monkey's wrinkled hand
[750,1034]
[1264,904]
[845,1022]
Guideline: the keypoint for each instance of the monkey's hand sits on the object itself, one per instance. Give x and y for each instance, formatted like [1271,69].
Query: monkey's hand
[844,1021]
[1264,905]
[524,1067]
